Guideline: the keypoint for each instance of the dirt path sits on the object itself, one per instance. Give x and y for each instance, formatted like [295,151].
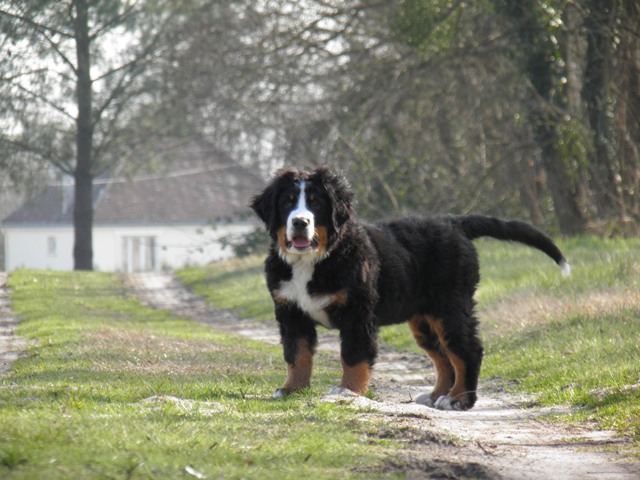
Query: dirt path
[498,438]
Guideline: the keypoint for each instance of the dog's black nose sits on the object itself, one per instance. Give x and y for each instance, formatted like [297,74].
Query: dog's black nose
[300,223]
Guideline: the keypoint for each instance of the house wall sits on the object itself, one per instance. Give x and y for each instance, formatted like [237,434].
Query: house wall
[30,248]
[120,248]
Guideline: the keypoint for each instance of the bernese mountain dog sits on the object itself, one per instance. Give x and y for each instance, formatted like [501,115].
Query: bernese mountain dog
[327,268]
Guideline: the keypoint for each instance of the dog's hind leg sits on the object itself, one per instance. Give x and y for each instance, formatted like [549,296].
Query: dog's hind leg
[464,350]
[456,352]
[445,375]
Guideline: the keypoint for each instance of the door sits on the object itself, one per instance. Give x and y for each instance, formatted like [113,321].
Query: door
[138,254]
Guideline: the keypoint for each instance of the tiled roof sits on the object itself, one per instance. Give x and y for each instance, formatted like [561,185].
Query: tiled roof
[200,195]
[50,206]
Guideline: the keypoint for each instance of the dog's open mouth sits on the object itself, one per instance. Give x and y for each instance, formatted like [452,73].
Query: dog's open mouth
[302,244]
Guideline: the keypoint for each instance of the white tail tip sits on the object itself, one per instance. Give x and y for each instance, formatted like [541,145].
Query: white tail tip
[566,268]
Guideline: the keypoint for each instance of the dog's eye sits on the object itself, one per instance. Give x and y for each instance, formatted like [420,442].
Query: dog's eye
[288,201]
[313,200]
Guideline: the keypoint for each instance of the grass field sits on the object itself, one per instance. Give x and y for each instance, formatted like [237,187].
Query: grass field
[111,389]
[570,341]
[573,341]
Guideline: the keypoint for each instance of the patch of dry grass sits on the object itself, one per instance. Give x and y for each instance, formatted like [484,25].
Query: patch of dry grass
[526,309]
[144,352]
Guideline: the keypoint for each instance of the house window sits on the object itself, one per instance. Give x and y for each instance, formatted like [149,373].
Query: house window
[52,246]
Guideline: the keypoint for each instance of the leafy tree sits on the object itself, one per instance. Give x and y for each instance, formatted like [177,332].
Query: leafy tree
[495,106]
[71,74]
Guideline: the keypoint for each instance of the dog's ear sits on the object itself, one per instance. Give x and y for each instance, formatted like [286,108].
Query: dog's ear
[265,204]
[341,196]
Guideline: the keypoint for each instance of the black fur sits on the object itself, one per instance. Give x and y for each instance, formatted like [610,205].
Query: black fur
[425,269]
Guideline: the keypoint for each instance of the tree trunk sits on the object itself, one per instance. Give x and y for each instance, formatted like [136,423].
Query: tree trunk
[599,25]
[627,120]
[537,51]
[83,206]
[528,176]
[565,203]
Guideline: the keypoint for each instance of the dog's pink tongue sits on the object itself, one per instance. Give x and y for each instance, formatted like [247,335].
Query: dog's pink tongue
[301,242]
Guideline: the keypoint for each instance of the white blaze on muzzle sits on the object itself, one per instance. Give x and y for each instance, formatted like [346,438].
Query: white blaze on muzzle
[301,223]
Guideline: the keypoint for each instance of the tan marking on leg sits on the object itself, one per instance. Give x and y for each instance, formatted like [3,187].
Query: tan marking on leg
[444,374]
[444,370]
[436,327]
[458,391]
[414,325]
[299,373]
[356,378]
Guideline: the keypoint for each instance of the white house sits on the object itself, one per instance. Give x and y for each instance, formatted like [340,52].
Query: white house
[140,224]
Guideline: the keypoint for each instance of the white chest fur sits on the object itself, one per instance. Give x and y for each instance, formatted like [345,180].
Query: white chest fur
[295,290]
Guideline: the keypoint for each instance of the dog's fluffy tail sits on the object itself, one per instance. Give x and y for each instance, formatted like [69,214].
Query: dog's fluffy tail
[475,226]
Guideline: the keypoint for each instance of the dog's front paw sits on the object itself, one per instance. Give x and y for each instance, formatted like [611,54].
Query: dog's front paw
[342,391]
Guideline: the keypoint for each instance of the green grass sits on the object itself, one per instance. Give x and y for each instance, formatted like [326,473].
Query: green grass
[597,265]
[584,351]
[92,398]
[586,361]
[579,347]
[237,284]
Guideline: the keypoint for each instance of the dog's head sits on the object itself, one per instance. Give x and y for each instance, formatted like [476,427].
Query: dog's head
[305,212]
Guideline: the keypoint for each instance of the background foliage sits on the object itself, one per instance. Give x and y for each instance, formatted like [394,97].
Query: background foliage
[513,108]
